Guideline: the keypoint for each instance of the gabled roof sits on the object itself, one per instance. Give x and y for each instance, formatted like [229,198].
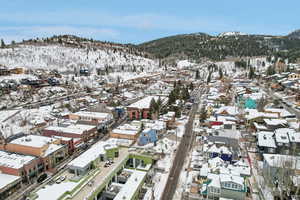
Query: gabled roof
[275,122]
[231,110]
[231,178]
[265,139]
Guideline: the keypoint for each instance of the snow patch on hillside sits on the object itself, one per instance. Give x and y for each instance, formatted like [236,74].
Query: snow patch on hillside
[68,58]
[184,63]
[231,33]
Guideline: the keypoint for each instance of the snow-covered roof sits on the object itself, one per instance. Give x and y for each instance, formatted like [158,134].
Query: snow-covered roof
[98,115]
[231,178]
[222,149]
[294,125]
[215,162]
[128,191]
[282,134]
[145,102]
[91,154]
[6,179]
[33,141]
[283,112]
[253,113]
[124,131]
[260,127]
[254,96]
[13,160]
[75,128]
[265,139]
[120,142]
[215,180]
[282,137]
[51,149]
[231,110]
[294,136]
[204,170]
[275,122]
[240,170]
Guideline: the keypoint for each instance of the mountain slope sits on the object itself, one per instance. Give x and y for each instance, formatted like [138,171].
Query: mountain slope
[196,47]
[68,53]
[294,34]
[231,44]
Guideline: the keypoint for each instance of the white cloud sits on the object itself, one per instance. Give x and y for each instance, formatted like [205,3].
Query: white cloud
[144,21]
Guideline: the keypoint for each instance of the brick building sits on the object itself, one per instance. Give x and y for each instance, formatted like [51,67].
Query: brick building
[126,131]
[50,150]
[92,118]
[83,132]
[141,108]
[20,165]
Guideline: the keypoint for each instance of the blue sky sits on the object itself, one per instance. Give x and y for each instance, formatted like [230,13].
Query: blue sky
[136,21]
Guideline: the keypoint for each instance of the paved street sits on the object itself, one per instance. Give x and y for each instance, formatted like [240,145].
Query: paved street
[87,190]
[181,153]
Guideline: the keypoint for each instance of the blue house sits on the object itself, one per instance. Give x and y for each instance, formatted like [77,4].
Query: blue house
[250,103]
[147,136]
[223,152]
[120,111]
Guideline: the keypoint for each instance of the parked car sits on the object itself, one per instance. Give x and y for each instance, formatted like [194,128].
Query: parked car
[42,177]
[62,178]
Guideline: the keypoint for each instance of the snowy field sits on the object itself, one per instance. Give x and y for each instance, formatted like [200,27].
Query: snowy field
[66,58]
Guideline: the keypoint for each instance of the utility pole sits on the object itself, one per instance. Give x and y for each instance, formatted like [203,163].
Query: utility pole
[176,135]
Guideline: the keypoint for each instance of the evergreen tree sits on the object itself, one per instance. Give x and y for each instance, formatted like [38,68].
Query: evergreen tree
[185,93]
[209,78]
[251,73]
[179,83]
[177,111]
[197,74]
[152,109]
[134,69]
[2,43]
[171,98]
[142,127]
[288,69]
[174,84]
[203,114]
[220,73]
[191,86]
[159,104]
[270,70]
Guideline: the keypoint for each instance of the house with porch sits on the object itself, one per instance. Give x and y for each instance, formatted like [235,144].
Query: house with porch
[147,136]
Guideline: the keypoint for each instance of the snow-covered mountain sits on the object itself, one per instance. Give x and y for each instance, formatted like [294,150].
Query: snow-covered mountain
[68,58]
[232,33]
